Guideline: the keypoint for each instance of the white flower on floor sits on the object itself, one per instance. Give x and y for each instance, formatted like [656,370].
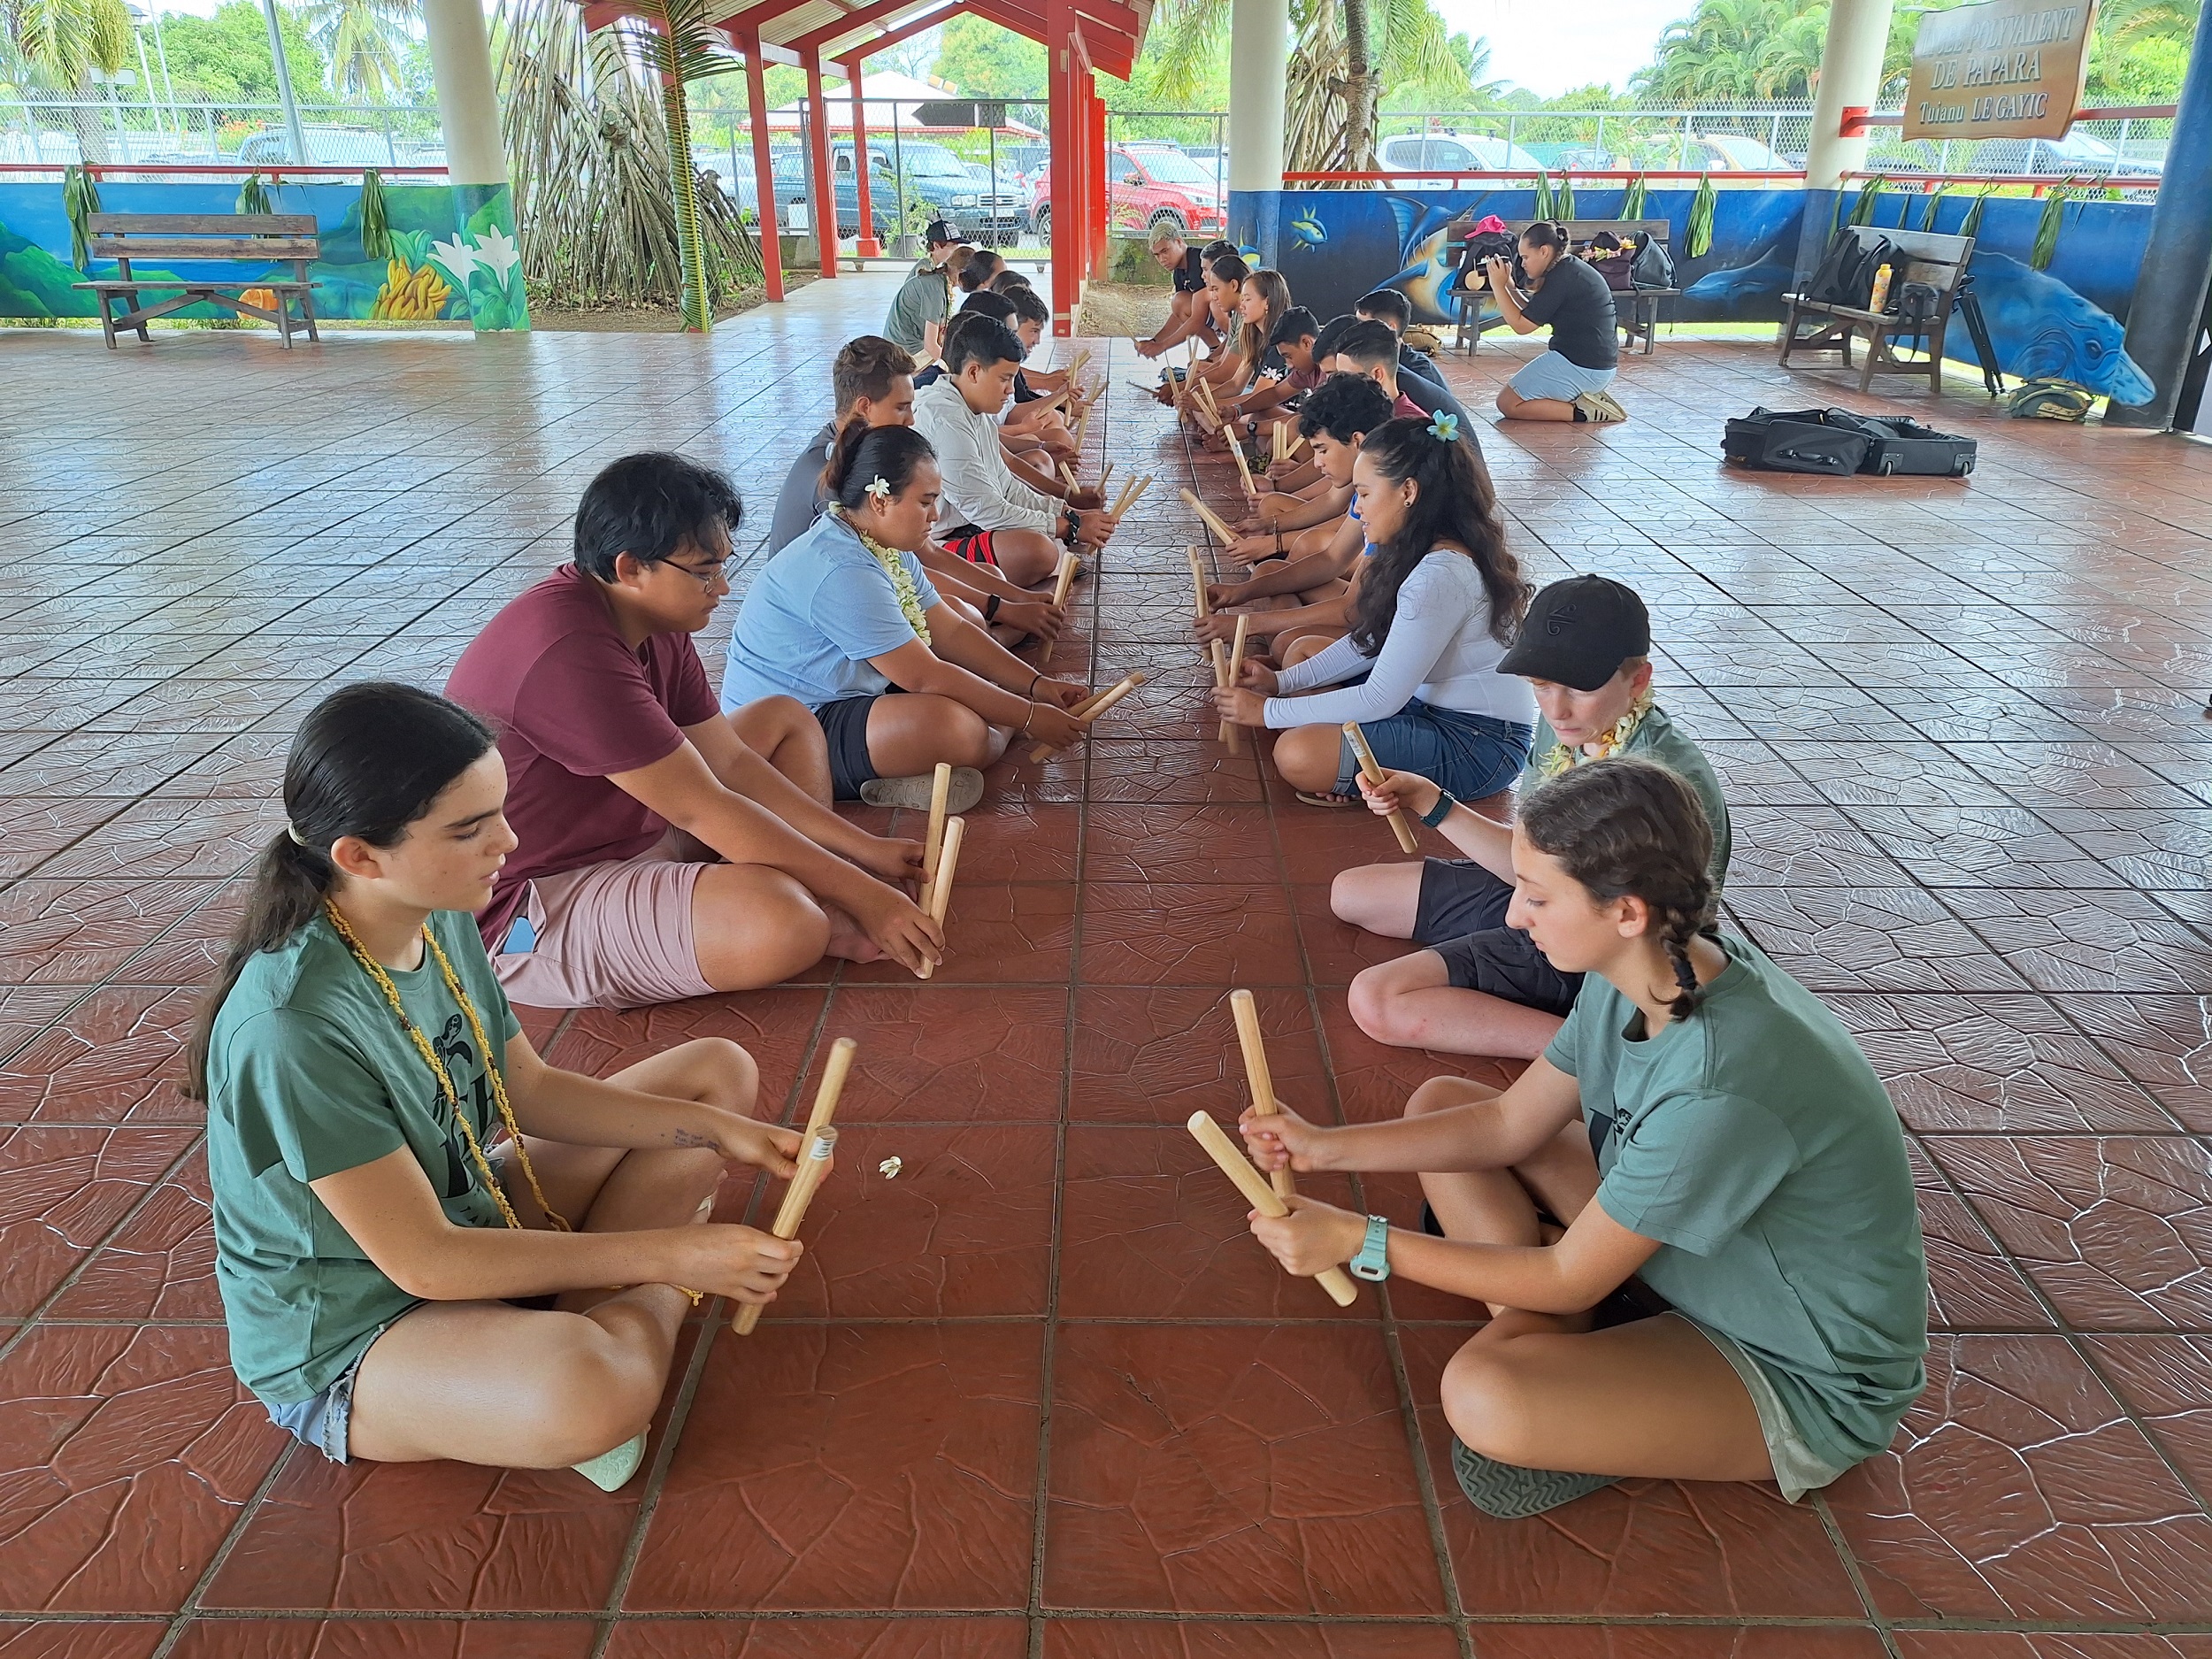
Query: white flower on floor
[889,1169]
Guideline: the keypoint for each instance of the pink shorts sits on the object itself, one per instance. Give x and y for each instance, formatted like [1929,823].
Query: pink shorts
[611,935]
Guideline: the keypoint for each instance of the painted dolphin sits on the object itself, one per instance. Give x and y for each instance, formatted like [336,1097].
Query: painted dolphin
[1730,290]
[1422,272]
[2042,329]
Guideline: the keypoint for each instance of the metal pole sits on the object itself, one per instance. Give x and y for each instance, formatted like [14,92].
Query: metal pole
[2167,312]
[898,167]
[990,194]
[168,87]
[284,84]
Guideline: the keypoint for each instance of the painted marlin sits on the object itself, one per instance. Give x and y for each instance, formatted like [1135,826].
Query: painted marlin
[1421,235]
[2042,329]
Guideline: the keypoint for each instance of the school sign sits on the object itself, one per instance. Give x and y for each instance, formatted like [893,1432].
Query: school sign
[2003,69]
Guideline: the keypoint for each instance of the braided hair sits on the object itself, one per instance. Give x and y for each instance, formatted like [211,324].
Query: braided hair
[1624,827]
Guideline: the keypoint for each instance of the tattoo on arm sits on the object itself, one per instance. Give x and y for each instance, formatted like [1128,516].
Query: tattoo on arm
[685,1138]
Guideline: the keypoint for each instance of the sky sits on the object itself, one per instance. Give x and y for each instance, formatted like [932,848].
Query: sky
[1609,39]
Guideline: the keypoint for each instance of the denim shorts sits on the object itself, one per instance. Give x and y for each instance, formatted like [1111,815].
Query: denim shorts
[322,1420]
[1472,755]
[1550,375]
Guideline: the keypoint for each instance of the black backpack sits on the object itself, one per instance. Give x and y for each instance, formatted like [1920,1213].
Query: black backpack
[1846,276]
[1652,267]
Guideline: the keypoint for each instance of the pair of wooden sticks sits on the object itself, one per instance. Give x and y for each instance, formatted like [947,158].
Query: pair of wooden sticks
[1265,1193]
[815,1147]
[1287,443]
[1212,519]
[941,853]
[1244,468]
[1372,770]
[1228,667]
[1091,708]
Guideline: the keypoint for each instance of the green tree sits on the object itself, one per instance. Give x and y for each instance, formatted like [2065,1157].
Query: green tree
[53,46]
[225,58]
[366,42]
[979,57]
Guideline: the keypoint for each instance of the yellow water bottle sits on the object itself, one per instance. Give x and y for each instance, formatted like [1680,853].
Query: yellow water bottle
[1878,300]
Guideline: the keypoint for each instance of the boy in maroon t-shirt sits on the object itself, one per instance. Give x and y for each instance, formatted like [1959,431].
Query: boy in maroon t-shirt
[666,850]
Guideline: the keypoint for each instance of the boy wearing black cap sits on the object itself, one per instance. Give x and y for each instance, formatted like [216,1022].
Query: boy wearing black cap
[924,299]
[1482,987]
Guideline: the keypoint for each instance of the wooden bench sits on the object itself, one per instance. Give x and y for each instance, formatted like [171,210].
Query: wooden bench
[201,239]
[1637,308]
[1939,261]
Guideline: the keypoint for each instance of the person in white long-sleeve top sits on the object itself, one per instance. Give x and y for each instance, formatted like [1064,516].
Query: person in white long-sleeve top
[993,518]
[1439,602]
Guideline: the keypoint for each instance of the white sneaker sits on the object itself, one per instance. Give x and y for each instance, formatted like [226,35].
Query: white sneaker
[611,1471]
[1599,407]
[967,789]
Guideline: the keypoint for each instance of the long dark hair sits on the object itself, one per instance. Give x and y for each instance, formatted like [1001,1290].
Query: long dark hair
[1626,828]
[865,453]
[367,762]
[1454,503]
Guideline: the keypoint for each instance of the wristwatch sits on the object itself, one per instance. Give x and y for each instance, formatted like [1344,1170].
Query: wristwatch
[1445,801]
[1068,530]
[1373,1261]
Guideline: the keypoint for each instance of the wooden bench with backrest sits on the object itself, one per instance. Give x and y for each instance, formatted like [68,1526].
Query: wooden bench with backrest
[1924,256]
[1638,308]
[203,239]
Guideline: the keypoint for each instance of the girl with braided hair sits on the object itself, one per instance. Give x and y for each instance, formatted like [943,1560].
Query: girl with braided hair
[1702,1125]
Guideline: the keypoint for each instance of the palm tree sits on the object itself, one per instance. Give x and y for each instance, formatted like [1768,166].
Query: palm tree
[363,40]
[49,46]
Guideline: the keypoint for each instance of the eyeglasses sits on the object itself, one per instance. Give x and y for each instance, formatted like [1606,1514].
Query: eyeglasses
[707,575]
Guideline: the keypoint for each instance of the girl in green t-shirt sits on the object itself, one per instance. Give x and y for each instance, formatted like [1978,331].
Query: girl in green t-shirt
[374,1232]
[1702,1123]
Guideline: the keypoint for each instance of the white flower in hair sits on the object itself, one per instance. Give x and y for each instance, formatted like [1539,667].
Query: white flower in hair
[880,488]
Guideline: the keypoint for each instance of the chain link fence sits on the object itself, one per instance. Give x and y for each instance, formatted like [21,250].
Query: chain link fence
[61,130]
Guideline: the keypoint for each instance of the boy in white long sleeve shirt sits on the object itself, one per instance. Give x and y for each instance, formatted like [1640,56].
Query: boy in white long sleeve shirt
[992,517]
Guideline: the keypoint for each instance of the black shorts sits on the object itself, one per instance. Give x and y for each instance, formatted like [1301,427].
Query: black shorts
[1460,915]
[845,726]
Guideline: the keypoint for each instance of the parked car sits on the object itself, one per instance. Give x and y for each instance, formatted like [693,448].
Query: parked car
[1148,185]
[332,147]
[1731,152]
[1452,153]
[1573,158]
[2081,153]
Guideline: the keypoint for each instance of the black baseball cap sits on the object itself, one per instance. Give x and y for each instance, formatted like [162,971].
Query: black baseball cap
[1578,633]
[939,234]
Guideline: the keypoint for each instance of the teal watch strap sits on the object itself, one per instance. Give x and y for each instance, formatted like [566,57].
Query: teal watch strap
[1445,801]
[1373,1260]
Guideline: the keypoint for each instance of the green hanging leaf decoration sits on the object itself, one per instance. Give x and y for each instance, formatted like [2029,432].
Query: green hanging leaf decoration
[79,200]
[376,226]
[253,196]
[1971,225]
[1862,209]
[1547,206]
[2046,245]
[1928,213]
[1632,199]
[1564,202]
[1699,239]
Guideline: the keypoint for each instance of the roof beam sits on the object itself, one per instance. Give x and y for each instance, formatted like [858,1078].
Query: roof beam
[811,44]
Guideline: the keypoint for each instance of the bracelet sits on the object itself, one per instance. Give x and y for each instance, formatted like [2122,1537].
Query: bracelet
[1278,541]
[1445,801]
[1024,728]
[990,608]
[1032,693]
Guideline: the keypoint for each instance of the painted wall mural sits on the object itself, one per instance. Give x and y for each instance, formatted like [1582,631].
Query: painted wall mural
[2064,323]
[454,254]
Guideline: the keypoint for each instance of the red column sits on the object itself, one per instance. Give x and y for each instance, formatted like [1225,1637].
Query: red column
[825,186]
[1101,189]
[869,247]
[763,170]
[1065,121]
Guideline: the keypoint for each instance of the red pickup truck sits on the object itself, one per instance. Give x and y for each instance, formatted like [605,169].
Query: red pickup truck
[1149,184]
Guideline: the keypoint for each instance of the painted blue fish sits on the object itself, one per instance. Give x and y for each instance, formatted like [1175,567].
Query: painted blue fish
[2043,329]
[1421,235]
[1309,229]
[1767,277]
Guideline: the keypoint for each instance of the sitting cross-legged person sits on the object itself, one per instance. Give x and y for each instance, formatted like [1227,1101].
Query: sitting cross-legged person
[1306,593]
[873,380]
[1438,601]
[1482,987]
[665,850]
[845,619]
[996,519]
[397,1179]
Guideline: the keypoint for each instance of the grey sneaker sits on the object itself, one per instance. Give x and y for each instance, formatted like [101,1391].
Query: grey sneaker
[1512,1493]
[967,789]
[1599,407]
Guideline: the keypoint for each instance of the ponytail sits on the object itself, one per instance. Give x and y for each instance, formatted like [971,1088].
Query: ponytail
[367,762]
[1624,827]
[1548,233]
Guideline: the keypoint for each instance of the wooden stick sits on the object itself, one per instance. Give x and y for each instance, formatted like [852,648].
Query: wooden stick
[814,1167]
[1244,468]
[1128,496]
[1198,584]
[1290,450]
[939,794]
[1220,655]
[1068,476]
[1206,395]
[1090,711]
[1082,426]
[1256,1075]
[940,889]
[1236,669]
[1104,472]
[1225,1152]
[1275,442]
[1213,523]
[834,1075]
[1064,578]
[1373,772]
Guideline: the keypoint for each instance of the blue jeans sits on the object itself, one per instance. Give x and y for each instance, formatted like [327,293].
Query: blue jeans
[1472,755]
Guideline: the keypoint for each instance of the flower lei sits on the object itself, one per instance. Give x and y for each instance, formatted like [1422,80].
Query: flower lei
[1559,758]
[901,581]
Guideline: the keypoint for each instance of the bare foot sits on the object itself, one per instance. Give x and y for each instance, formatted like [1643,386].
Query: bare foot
[847,940]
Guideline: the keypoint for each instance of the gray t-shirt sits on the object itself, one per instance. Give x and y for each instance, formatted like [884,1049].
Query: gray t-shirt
[800,501]
[925,297]
[1656,738]
[1753,1141]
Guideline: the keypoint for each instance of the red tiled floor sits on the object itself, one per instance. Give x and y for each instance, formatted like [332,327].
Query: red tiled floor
[1040,1393]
